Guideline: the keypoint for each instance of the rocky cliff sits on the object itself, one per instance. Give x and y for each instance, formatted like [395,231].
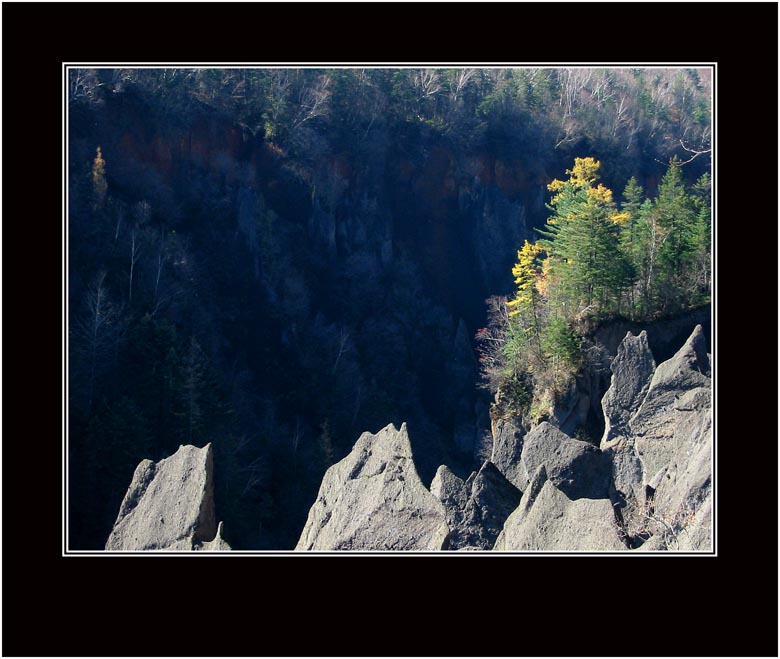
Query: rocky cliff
[477,507]
[170,506]
[548,519]
[659,439]
[648,485]
[374,499]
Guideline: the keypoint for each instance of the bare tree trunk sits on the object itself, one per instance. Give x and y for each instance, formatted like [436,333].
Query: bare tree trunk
[119,215]
[159,264]
[135,251]
[343,347]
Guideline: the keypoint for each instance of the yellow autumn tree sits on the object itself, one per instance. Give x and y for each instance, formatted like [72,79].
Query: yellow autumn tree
[99,185]
[588,266]
[526,271]
[524,326]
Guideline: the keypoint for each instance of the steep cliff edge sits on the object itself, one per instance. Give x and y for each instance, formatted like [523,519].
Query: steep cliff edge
[373,499]
[648,485]
[660,442]
[170,506]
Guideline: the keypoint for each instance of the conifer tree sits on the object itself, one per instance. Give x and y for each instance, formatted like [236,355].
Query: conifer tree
[677,217]
[587,262]
[524,317]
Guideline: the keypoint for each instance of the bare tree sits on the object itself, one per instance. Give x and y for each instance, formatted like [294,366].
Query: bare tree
[81,84]
[460,80]
[313,100]
[696,153]
[143,211]
[343,345]
[160,261]
[94,333]
[192,388]
[491,340]
[427,82]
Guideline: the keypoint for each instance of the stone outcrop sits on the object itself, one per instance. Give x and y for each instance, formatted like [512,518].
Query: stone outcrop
[475,509]
[548,520]
[680,496]
[631,369]
[449,489]
[373,499]
[577,468]
[170,505]
[508,437]
[648,486]
[217,544]
[661,453]
[680,386]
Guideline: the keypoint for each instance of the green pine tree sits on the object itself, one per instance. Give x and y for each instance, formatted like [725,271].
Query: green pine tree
[589,271]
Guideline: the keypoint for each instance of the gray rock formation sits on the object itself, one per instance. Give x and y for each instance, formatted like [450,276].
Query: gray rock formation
[663,419]
[649,486]
[217,544]
[169,505]
[681,497]
[449,489]
[373,499]
[632,369]
[572,410]
[548,520]
[476,511]
[627,475]
[577,468]
[662,454]
[508,437]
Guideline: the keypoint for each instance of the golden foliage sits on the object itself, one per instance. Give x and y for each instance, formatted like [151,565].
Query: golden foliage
[526,271]
[584,172]
[600,195]
[555,185]
[99,185]
[582,176]
[620,218]
[544,276]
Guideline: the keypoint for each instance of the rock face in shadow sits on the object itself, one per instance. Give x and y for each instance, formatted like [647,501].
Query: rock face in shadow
[548,520]
[169,505]
[662,453]
[373,499]
[475,509]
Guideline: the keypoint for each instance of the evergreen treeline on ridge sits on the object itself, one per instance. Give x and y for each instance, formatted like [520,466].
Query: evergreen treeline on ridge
[595,260]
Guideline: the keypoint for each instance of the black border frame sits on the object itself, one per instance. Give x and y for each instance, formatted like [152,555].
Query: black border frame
[358,606]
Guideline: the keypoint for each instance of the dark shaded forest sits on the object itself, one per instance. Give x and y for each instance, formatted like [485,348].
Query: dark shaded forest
[277,260]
